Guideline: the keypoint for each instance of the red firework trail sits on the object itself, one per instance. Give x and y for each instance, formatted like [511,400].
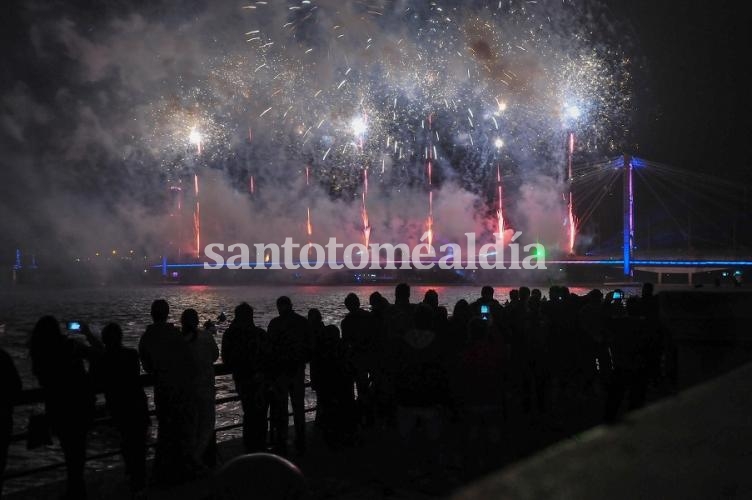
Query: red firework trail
[197,218]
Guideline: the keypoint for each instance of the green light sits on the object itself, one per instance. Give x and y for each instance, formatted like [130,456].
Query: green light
[540,251]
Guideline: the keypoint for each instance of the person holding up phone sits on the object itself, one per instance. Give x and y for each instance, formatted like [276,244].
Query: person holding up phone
[58,363]
[488,308]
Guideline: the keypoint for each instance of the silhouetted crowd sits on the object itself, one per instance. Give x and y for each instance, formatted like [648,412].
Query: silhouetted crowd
[403,367]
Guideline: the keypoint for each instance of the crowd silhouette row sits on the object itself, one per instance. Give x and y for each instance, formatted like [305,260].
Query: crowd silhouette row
[402,367]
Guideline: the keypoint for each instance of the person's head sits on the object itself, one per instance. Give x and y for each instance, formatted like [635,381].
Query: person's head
[423,317]
[402,293]
[595,296]
[377,301]
[244,313]
[536,294]
[160,310]
[189,320]
[284,305]
[647,290]
[487,292]
[314,316]
[514,295]
[461,309]
[352,302]
[431,298]
[524,293]
[112,336]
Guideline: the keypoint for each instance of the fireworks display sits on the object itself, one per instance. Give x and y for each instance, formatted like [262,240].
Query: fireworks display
[394,89]
[431,106]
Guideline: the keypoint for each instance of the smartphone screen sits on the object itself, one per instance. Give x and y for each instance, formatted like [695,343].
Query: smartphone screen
[484,310]
[74,326]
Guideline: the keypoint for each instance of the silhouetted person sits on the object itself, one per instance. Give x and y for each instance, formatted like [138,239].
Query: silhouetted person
[205,352]
[244,352]
[441,320]
[165,354]
[478,388]
[538,353]
[514,296]
[629,343]
[421,381]
[593,351]
[357,337]
[289,336]
[480,374]
[117,373]
[58,363]
[10,390]
[402,294]
[316,325]
[400,318]
[521,326]
[564,343]
[382,386]
[461,315]
[334,380]
[431,297]
[494,308]
[649,309]
[379,307]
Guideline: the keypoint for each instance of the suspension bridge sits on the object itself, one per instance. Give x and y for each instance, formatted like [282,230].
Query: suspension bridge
[707,197]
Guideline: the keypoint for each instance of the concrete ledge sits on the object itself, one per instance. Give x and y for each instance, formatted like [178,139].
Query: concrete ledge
[697,444]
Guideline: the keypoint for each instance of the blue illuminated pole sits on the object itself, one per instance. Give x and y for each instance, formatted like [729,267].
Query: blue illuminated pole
[628,205]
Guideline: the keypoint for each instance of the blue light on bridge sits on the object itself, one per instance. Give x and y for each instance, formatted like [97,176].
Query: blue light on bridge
[638,162]
[598,262]
[693,263]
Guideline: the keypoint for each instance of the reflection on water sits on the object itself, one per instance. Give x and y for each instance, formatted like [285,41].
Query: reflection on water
[20,308]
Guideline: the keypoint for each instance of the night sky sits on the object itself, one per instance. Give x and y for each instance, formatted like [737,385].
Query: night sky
[694,101]
[62,182]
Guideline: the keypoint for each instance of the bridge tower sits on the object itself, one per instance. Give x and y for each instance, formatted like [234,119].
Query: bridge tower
[628,212]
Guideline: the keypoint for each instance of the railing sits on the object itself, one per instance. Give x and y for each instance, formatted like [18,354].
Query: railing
[36,396]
